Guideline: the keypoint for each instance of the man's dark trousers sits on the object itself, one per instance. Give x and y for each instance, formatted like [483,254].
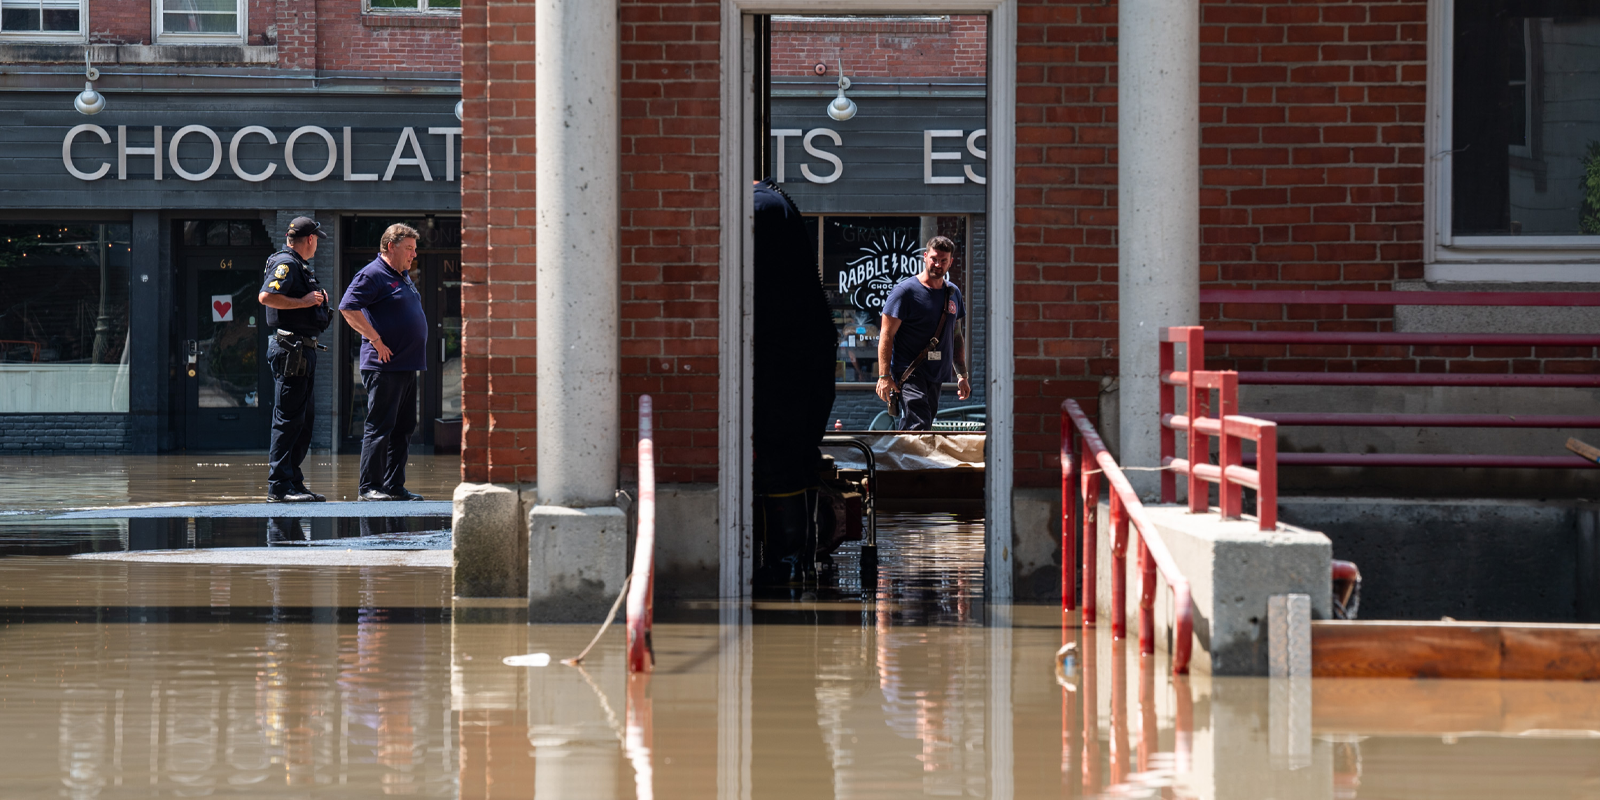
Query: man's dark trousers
[919,403]
[293,410]
[391,417]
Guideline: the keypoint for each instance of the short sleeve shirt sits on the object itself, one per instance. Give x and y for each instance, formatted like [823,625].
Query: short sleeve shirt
[393,305]
[289,275]
[918,308]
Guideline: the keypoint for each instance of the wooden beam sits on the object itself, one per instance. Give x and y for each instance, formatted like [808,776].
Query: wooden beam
[1488,650]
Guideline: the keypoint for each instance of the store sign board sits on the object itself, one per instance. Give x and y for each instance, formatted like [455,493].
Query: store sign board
[898,155]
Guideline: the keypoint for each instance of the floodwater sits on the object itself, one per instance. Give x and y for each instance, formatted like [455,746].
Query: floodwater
[123,679]
[30,484]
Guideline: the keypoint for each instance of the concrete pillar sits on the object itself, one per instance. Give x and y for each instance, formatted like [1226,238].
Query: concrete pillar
[1158,206]
[577,79]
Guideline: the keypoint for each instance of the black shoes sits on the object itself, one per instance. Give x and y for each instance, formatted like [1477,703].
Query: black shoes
[294,497]
[315,498]
[400,495]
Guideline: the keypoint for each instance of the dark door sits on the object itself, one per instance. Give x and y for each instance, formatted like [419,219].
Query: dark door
[228,388]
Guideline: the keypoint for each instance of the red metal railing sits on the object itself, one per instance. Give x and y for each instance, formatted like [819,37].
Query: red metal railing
[641,592]
[1195,338]
[1125,509]
[1232,430]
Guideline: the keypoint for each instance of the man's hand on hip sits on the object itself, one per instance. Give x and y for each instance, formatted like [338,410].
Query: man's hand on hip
[383,351]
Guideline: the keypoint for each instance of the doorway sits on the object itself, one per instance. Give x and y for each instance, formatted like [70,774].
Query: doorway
[747,152]
[437,274]
[227,387]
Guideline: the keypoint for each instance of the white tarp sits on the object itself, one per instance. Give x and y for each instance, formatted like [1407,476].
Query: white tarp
[899,452]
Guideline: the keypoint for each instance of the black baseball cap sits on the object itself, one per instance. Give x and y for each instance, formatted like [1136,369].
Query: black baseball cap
[306,226]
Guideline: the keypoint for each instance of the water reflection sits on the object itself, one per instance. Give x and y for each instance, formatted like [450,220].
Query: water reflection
[134,680]
[32,536]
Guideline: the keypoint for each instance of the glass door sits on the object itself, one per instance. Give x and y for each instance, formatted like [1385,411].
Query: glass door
[227,385]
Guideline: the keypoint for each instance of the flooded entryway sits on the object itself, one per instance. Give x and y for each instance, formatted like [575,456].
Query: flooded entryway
[122,680]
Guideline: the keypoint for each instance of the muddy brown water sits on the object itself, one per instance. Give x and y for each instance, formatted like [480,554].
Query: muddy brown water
[133,680]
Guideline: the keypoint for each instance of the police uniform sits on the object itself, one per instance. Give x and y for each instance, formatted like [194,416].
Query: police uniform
[292,355]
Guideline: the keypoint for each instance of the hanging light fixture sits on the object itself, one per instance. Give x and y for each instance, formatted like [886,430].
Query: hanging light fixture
[842,108]
[89,102]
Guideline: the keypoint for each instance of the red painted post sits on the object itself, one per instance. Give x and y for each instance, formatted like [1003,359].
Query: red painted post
[1230,450]
[1169,437]
[1147,599]
[1069,551]
[1090,480]
[1119,568]
[1267,467]
[1199,446]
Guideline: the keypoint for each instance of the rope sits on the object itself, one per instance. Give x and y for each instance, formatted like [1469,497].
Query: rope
[578,659]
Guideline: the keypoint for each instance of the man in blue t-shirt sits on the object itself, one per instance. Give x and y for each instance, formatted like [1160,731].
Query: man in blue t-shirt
[915,309]
[384,306]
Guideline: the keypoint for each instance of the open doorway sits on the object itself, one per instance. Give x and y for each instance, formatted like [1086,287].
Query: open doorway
[912,158]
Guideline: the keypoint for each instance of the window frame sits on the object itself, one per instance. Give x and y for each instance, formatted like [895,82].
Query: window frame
[81,35]
[421,9]
[1500,259]
[239,36]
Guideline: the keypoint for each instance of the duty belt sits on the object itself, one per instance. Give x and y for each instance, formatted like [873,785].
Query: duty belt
[292,335]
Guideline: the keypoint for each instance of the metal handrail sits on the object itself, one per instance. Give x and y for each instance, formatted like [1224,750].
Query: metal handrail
[1230,473]
[1153,554]
[641,593]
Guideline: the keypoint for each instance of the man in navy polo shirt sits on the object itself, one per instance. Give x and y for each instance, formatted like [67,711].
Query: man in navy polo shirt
[919,319]
[384,306]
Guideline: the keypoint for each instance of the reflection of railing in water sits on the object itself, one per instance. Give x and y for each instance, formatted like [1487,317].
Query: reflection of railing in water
[1142,763]
[1125,508]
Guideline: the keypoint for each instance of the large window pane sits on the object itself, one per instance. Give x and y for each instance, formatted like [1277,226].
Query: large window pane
[200,23]
[863,258]
[1526,118]
[64,318]
[40,16]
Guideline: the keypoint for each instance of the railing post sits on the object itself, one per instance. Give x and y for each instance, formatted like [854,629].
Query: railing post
[1090,480]
[1169,437]
[1230,449]
[1119,568]
[1069,552]
[1147,599]
[1267,468]
[1199,446]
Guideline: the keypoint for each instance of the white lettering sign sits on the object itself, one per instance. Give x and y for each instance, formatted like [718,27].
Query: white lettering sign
[85,160]
[808,139]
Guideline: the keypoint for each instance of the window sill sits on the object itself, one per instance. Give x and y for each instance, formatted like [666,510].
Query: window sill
[103,54]
[411,19]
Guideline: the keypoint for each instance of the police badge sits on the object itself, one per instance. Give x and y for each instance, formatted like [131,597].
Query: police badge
[281,272]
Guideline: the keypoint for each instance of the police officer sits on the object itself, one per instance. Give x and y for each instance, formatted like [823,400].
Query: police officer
[297,312]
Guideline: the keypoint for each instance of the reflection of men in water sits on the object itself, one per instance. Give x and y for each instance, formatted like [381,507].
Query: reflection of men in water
[793,379]
[911,315]
[297,313]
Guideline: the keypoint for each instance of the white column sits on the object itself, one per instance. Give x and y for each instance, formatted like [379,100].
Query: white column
[577,537]
[1158,206]
[578,226]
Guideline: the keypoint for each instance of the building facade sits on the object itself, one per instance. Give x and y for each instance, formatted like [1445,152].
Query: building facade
[1412,145]
[134,236]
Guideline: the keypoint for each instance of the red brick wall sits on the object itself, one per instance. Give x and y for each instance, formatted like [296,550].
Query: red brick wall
[1312,158]
[669,271]
[1311,150]
[311,35]
[881,48]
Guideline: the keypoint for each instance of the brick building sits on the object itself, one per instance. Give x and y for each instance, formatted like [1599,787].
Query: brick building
[134,235]
[1315,123]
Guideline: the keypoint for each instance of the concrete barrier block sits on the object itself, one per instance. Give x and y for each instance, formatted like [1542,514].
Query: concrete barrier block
[577,561]
[485,541]
[687,551]
[1036,545]
[1232,568]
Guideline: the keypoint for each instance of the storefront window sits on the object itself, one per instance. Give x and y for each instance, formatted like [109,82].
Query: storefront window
[862,258]
[1525,149]
[64,318]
